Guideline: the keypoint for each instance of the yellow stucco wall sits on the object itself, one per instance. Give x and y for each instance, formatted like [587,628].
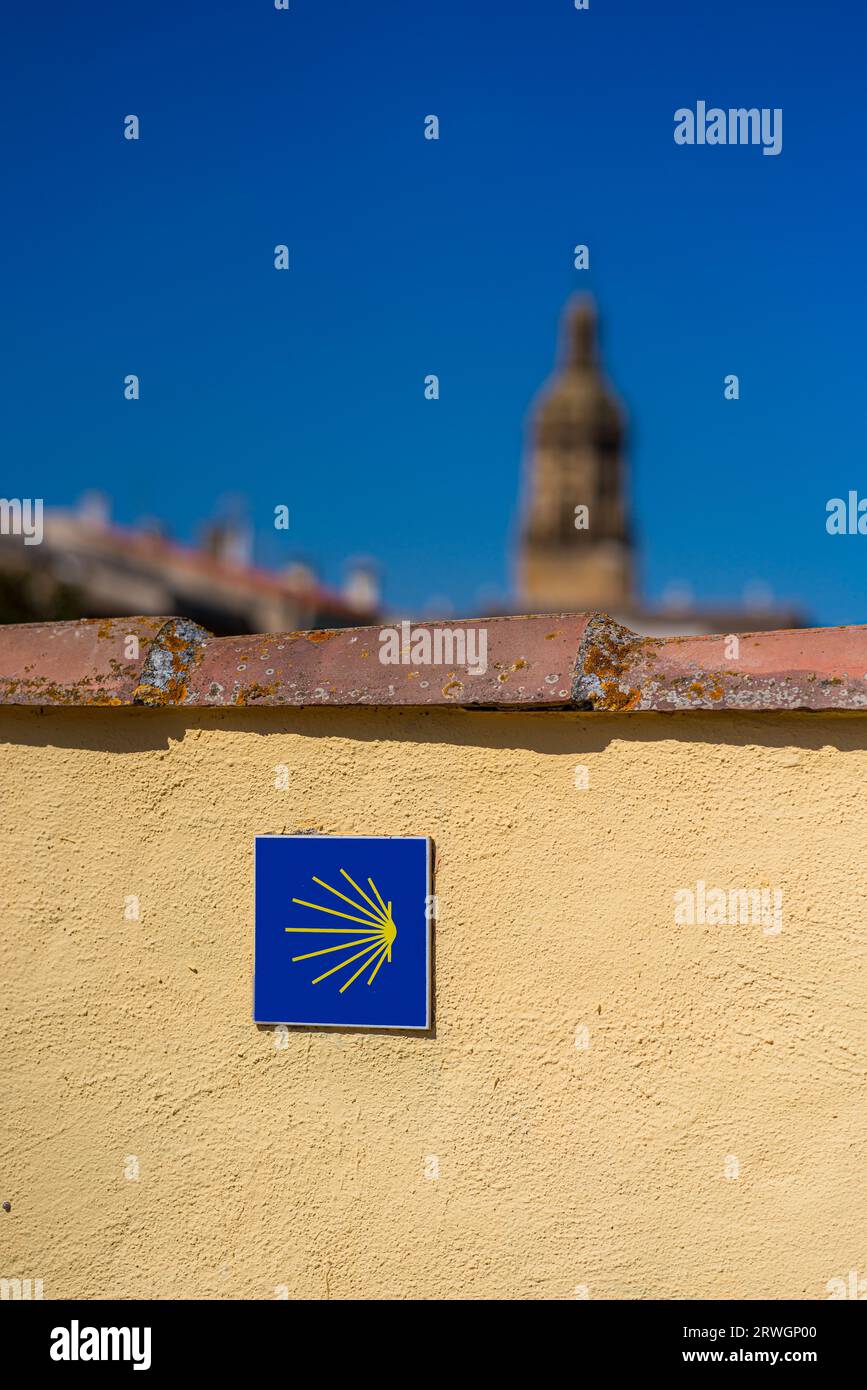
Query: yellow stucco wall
[560,1166]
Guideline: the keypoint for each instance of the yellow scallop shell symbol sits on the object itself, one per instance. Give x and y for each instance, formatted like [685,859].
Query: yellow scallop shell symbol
[376,941]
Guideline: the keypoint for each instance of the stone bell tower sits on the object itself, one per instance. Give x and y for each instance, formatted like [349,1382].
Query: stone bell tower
[576,460]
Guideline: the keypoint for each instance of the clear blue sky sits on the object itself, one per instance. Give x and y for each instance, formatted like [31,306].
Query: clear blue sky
[453,257]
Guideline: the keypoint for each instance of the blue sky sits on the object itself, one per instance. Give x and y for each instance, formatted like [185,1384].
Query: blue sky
[411,257]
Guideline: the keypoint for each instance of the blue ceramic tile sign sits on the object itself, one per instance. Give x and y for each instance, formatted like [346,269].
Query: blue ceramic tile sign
[343,930]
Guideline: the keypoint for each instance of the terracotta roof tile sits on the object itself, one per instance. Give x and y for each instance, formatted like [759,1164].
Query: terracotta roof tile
[579,661]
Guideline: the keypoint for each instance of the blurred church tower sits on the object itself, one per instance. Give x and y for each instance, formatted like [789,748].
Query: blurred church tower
[577,460]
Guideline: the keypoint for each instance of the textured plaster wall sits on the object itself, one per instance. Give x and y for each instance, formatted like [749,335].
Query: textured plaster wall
[559,1166]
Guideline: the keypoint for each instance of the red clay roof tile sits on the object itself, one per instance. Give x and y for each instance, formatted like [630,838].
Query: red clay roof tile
[578,661]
